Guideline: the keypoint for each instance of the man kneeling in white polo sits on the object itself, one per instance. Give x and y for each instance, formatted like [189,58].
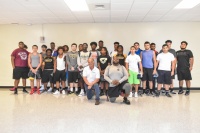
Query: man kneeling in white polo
[91,77]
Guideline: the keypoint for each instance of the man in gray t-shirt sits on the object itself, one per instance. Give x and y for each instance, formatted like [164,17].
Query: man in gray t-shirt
[117,76]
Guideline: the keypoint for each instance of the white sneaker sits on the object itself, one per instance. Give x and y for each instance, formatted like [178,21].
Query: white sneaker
[56,92]
[42,88]
[50,89]
[136,94]
[63,92]
[81,94]
[131,94]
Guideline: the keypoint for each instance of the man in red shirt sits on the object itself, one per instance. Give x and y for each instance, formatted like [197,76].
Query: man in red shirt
[19,60]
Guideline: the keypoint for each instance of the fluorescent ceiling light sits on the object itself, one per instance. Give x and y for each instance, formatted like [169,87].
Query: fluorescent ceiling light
[186,4]
[77,5]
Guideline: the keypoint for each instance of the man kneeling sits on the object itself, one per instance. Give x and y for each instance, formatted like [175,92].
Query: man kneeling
[91,77]
[117,76]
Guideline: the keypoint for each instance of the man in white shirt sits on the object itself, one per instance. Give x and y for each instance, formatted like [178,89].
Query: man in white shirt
[132,62]
[91,76]
[165,69]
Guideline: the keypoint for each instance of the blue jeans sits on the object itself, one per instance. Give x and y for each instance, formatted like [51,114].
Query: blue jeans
[89,92]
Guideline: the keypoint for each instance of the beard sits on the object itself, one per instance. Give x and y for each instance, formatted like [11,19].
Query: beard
[115,63]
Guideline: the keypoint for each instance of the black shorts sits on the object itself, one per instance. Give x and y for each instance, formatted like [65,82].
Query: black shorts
[47,76]
[60,75]
[164,77]
[20,72]
[73,77]
[37,74]
[147,74]
[184,74]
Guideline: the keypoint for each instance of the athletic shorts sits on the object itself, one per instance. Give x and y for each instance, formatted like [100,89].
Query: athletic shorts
[60,75]
[164,77]
[184,74]
[147,74]
[47,76]
[132,79]
[20,72]
[73,77]
[36,75]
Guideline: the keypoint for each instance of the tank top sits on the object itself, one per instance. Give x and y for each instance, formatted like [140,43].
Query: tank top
[35,60]
[147,59]
[61,63]
[49,64]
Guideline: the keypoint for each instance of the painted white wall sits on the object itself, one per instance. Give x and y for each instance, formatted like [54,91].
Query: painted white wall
[125,33]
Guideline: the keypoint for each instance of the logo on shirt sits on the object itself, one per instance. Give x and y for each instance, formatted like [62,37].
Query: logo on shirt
[103,60]
[23,55]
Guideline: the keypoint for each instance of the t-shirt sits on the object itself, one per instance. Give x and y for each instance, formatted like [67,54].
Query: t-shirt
[49,63]
[103,60]
[121,58]
[43,55]
[91,75]
[132,61]
[165,60]
[183,59]
[71,58]
[21,57]
[147,58]
[171,51]
[82,59]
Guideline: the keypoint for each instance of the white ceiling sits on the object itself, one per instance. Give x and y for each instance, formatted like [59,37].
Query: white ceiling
[126,11]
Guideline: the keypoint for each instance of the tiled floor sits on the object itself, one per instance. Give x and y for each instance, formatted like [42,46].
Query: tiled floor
[71,114]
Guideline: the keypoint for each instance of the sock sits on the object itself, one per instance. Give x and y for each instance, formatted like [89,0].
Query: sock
[171,89]
[143,90]
[125,98]
[15,89]
[188,89]
[101,90]
[71,89]
[180,88]
[82,90]
[167,91]
[57,89]
[76,89]
[24,88]
[151,90]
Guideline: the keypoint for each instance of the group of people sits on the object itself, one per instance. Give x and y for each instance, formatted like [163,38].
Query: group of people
[98,72]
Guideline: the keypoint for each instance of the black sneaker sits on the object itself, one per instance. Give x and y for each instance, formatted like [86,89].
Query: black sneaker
[77,92]
[187,93]
[172,92]
[180,91]
[163,91]
[101,93]
[168,95]
[126,101]
[25,91]
[16,92]
[157,94]
[147,93]
[70,92]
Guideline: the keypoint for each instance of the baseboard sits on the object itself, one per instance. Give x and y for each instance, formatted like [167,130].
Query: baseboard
[176,88]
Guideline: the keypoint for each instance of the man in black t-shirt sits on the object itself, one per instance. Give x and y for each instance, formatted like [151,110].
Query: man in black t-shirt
[103,61]
[184,67]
